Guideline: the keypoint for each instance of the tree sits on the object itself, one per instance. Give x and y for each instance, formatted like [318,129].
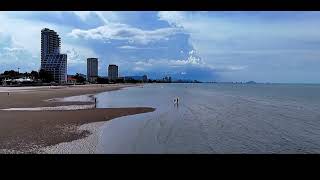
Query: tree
[101,80]
[11,74]
[79,78]
[45,76]
[131,80]
[34,74]
[119,81]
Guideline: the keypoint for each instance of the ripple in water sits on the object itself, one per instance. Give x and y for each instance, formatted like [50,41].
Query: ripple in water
[215,118]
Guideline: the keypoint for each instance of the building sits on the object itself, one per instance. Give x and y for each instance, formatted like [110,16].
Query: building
[71,79]
[51,59]
[92,69]
[167,79]
[50,43]
[19,81]
[56,65]
[136,78]
[82,75]
[143,78]
[113,72]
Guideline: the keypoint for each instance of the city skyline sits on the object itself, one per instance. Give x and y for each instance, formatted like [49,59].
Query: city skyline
[207,46]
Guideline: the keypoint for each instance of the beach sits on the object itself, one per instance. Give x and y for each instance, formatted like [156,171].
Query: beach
[33,120]
[210,118]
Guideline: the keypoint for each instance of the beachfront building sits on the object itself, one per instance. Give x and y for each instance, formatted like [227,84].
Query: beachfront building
[56,65]
[167,79]
[92,70]
[51,59]
[143,78]
[19,81]
[71,79]
[113,72]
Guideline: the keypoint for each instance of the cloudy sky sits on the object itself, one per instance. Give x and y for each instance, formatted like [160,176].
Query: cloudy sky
[208,46]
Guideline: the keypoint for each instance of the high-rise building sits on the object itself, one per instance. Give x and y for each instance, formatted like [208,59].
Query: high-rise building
[92,69]
[167,79]
[50,43]
[144,78]
[51,59]
[113,72]
[56,65]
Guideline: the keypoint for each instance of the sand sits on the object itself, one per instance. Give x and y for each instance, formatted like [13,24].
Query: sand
[87,145]
[39,121]
[28,97]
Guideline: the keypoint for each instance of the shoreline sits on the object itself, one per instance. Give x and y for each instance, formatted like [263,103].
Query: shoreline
[56,123]
[40,97]
[86,98]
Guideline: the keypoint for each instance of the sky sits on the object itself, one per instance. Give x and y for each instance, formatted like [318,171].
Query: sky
[269,46]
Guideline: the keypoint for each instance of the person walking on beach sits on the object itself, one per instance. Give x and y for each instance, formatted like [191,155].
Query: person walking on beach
[95,102]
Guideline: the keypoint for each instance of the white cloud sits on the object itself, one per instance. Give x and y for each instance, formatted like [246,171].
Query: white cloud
[105,16]
[78,54]
[118,31]
[17,57]
[24,32]
[83,15]
[174,18]
[139,48]
[138,68]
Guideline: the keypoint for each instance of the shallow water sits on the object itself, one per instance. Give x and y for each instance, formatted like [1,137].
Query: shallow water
[214,118]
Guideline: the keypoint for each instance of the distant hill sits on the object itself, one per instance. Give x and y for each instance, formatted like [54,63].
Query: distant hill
[251,82]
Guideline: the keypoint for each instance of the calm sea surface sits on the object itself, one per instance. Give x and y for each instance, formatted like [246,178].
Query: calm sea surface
[215,118]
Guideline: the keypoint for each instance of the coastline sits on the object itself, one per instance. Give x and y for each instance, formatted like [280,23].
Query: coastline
[56,123]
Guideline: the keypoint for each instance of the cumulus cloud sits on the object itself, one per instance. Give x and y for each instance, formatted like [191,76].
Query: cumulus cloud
[13,55]
[118,31]
[140,48]
[17,57]
[241,45]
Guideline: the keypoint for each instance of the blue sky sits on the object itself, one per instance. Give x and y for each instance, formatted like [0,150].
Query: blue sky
[209,46]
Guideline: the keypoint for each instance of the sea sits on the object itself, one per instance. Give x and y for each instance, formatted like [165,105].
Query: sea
[214,118]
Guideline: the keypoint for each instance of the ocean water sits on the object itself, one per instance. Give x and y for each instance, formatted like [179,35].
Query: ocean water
[214,118]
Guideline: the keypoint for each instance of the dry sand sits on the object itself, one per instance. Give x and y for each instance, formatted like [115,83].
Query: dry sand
[55,130]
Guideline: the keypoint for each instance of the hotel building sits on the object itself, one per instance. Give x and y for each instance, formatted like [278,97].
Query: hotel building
[113,72]
[51,59]
[92,69]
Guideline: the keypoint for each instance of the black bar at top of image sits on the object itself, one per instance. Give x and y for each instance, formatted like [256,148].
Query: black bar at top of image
[52,5]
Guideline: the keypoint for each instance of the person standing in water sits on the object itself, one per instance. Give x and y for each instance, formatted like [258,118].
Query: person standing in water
[176,101]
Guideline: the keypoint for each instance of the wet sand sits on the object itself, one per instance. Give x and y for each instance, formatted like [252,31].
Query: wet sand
[36,97]
[27,131]
[30,131]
